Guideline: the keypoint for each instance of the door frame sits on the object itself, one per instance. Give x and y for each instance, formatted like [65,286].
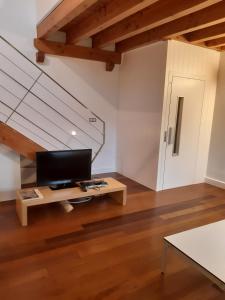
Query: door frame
[165,123]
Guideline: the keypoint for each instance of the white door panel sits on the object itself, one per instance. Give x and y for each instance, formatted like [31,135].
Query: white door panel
[183,132]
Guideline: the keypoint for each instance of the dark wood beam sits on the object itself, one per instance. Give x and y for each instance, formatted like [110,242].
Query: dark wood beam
[40,57]
[64,13]
[207,33]
[155,15]
[61,49]
[110,66]
[18,142]
[104,15]
[216,42]
[206,17]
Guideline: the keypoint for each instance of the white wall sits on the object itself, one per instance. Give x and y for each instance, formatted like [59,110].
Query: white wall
[10,11]
[45,7]
[141,92]
[195,62]
[93,86]
[9,173]
[87,81]
[144,106]
[216,163]
[142,77]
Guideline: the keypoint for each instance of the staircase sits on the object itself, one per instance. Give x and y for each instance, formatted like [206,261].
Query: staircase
[18,142]
[37,113]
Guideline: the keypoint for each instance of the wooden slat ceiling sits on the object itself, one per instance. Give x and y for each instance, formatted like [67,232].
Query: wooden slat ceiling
[129,24]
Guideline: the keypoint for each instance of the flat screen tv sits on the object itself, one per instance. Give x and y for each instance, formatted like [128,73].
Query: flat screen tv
[61,169]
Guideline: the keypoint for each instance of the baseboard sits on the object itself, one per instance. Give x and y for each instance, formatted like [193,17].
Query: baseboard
[2,202]
[215,182]
[8,195]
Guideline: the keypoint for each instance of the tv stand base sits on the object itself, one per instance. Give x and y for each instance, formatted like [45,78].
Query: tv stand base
[115,189]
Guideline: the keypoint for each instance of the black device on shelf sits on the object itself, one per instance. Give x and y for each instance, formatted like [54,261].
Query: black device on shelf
[94,184]
[62,169]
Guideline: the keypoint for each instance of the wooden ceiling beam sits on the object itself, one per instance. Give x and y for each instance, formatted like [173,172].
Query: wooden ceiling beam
[155,15]
[206,17]
[105,14]
[216,42]
[40,57]
[207,33]
[64,13]
[109,66]
[56,48]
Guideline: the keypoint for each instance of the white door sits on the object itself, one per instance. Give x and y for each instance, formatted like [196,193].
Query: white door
[183,131]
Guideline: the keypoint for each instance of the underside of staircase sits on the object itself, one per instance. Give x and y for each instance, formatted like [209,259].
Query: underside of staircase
[18,142]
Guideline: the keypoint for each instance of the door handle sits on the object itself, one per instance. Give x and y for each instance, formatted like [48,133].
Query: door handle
[170,136]
[177,134]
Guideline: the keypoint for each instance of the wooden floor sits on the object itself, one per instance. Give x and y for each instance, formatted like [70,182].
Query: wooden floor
[105,251]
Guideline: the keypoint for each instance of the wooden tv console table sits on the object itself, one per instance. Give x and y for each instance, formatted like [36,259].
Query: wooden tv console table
[115,189]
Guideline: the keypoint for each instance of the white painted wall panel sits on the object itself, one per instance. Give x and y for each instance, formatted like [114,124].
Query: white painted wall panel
[39,102]
[16,73]
[66,111]
[3,117]
[40,121]
[9,173]
[140,112]
[196,62]
[44,108]
[30,135]
[5,109]
[216,162]
[44,9]
[87,81]
[11,54]
[11,85]
[62,95]
[38,132]
[74,144]
[60,122]
[8,98]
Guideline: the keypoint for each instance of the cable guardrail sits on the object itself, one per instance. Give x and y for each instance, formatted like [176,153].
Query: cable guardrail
[27,95]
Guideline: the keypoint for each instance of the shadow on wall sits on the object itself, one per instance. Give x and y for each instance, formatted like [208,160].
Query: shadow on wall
[8,153]
[28,171]
[9,173]
[43,7]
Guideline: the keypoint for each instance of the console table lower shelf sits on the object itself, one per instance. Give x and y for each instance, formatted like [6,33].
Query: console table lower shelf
[115,189]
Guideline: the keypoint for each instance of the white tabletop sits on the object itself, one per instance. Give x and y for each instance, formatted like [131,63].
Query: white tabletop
[205,245]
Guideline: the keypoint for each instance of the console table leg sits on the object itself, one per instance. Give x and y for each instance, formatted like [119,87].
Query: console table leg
[21,210]
[164,258]
[124,197]
[120,197]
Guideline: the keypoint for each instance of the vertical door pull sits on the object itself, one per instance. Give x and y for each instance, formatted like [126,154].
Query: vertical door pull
[176,145]
[170,136]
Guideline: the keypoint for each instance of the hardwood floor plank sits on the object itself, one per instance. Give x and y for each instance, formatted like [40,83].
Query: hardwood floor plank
[105,251]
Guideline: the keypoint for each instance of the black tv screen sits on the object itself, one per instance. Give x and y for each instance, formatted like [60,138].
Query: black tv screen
[63,167]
